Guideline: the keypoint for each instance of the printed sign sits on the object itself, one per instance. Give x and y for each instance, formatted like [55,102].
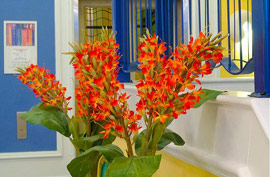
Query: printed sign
[20,45]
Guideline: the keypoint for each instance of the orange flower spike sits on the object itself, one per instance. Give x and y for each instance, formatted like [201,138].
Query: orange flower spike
[196,95]
[205,69]
[134,128]
[43,84]
[123,97]
[162,117]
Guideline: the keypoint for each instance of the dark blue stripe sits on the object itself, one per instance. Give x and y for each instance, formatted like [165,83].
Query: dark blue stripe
[141,18]
[229,28]
[240,34]
[248,24]
[127,33]
[169,24]
[132,34]
[266,51]
[157,16]
[190,17]
[136,27]
[175,21]
[146,12]
[150,15]
[162,21]
[199,14]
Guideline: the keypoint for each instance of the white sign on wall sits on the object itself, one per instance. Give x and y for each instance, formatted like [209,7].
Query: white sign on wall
[20,45]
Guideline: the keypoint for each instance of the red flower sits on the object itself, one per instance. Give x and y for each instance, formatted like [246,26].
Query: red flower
[119,128]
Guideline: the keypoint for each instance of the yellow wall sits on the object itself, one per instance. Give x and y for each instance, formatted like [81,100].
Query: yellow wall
[224,73]
[173,167]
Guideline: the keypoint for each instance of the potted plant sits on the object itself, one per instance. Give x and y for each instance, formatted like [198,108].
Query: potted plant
[166,88]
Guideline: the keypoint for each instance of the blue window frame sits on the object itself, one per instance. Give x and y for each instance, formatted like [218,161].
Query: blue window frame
[167,18]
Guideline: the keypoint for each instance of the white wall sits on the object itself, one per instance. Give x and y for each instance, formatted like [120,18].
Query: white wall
[228,137]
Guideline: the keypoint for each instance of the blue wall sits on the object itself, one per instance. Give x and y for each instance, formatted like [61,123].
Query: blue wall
[15,97]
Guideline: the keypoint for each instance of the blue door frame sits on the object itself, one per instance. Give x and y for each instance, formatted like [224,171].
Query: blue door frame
[121,27]
[261,39]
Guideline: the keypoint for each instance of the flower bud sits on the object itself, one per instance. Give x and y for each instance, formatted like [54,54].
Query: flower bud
[109,77]
[103,94]
[93,73]
[106,85]
[85,59]
[94,63]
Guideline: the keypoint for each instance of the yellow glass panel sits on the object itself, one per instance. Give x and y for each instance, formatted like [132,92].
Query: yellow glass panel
[246,35]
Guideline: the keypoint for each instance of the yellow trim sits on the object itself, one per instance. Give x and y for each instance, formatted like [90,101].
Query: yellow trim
[99,167]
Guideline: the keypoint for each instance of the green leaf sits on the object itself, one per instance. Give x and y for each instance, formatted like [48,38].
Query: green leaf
[49,117]
[109,151]
[142,166]
[138,143]
[86,142]
[207,95]
[149,146]
[77,127]
[169,121]
[157,133]
[109,140]
[83,164]
[168,137]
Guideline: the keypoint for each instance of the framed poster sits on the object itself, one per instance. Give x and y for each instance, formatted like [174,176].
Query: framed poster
[20,45]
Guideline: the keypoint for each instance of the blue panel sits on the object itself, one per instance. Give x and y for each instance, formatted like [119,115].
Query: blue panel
[229,32]
[15,97]
[267,44]
[120,26]
[258,38]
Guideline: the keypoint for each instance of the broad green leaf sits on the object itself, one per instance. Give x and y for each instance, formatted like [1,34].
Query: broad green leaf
[97,127]
[109,140]
[139,141]
[109,151]
[83,164]
[207,95]
[169,121]
[49,117]
[142,166]
[86,142]
[77,127]
[157,133]
[149,146]
[168,137]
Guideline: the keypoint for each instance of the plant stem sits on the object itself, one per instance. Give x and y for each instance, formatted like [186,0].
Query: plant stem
[76,148]
[127,139]
[88,133]
[147,136]
[129,147]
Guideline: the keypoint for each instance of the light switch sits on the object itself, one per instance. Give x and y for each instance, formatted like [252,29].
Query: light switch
[21,127]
